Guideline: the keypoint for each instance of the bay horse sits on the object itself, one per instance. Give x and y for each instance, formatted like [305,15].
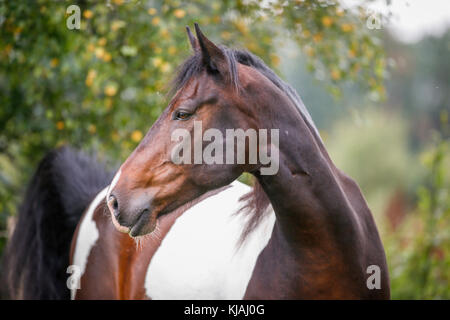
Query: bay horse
[161,230]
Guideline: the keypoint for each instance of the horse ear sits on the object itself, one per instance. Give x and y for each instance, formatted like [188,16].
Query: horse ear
[194,42]
[213,56]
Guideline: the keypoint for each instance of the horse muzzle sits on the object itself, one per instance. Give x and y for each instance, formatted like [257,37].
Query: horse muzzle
[135,219]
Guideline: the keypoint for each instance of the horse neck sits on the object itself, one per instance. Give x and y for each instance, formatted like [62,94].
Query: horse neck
[314,203]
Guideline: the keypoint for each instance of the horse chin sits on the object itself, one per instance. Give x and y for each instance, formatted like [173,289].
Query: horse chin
[146,224]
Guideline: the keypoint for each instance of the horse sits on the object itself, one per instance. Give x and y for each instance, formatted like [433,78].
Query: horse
[164,229]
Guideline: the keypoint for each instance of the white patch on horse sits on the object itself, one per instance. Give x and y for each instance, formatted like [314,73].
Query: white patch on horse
[87,237]
[113,184]
[199,257]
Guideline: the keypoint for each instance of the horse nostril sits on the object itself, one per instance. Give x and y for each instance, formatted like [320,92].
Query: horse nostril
[113,205]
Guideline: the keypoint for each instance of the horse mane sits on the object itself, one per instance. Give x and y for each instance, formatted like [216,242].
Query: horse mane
[256,203]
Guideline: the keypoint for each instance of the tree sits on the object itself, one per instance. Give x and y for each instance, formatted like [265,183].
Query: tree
[101,87]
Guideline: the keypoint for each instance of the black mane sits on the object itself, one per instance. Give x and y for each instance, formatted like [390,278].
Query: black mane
[193,65]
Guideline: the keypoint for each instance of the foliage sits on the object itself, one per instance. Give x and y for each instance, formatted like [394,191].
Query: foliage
[419,255]
[373,149]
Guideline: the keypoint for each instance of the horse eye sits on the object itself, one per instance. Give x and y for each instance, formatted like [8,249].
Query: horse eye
[181,115]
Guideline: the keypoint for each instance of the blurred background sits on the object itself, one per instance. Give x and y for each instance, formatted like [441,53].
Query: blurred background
[375,76]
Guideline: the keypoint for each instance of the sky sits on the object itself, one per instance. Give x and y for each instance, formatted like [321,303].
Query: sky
[413,19]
